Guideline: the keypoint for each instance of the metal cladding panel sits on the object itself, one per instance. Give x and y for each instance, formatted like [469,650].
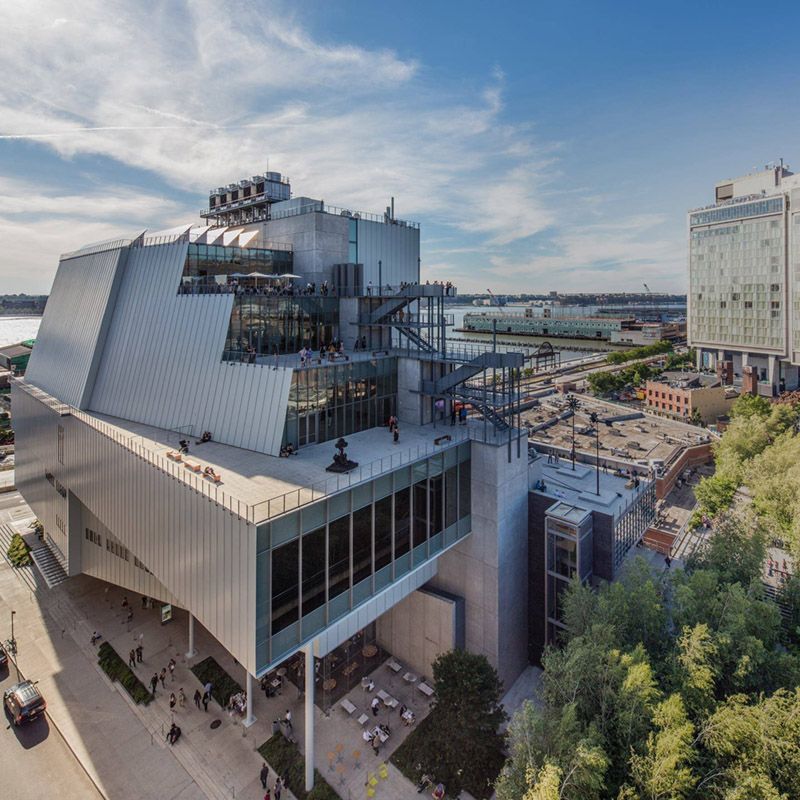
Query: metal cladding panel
[70,337]
[162,365]
[396,246]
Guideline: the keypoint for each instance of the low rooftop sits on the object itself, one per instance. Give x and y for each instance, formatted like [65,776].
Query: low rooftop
[259,486]
[577,489]
[688,380]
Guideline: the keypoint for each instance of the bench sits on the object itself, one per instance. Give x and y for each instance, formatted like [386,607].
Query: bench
[363,719]
[193,467]
[393,665]
[174,455]
[347,706]
[213,476]
[445,438]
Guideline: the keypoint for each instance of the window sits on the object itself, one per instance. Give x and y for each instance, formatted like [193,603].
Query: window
[402,522]
[93,536]
[748,303]
[60,444]
[362,544]
[339,556]
[451,496]
[284,585]
[313,560]
[774,287]
[383,532]
[464,481]
[420,512]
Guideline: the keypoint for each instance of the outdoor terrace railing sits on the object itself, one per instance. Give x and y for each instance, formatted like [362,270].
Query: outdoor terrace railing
[272,507]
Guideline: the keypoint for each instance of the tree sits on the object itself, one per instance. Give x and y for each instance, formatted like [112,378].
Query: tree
[464,745]
[663,771]
[736,551]
[747,405]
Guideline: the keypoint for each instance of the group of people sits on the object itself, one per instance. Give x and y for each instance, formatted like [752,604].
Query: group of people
[373,737]
[237,703]
[394,429]
[277,787]
[288,450]
[458,414]
[332,350]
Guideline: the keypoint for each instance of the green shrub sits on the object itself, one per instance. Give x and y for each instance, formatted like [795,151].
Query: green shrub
[222,685]
[19,554]
[116,669]
[287,761]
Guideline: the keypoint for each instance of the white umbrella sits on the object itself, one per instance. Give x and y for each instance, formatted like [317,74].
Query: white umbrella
[259,275]
[289,276]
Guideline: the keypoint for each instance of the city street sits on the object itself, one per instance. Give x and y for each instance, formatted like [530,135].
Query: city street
[34,759]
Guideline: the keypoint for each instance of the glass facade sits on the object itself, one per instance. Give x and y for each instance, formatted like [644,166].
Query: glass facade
[737,211]
[210,263]
[568,556]
[336,400]
[267,325]
[316,564]
[633,522]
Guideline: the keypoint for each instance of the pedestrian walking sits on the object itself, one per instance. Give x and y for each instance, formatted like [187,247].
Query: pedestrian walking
[125,601]
[153,683]
[267,795]
[132,659]
[129,618]
[396,434]
[208,687]
[139,651]
[172,701]
[452,414]
[376,704]
[163,677]
[264,775]
[206,698]
[287,719]
[197,697]
[171,668]
[276,792]
[181,697]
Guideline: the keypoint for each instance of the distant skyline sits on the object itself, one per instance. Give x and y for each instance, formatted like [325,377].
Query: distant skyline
[541,146]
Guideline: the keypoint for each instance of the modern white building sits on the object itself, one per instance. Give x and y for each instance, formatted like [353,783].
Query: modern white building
[155,338]
[744,279]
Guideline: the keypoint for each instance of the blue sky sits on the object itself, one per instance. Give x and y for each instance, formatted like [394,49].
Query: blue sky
[541,145]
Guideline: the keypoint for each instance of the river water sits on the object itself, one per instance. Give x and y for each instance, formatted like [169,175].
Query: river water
[18,329]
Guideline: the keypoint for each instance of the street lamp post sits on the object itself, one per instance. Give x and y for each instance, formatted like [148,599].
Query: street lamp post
[572,404]
[14,645]
[595,420]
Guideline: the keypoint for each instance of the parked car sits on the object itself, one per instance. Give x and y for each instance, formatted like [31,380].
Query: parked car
[24,702]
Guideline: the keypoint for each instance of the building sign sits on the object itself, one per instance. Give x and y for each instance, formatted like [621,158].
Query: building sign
[166,613]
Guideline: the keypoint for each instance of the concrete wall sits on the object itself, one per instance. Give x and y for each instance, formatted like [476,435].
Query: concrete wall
[409,400]
[318,240]
[490,568]
[422,627]
[710,402]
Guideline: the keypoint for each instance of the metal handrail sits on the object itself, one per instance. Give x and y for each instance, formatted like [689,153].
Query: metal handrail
[272,507]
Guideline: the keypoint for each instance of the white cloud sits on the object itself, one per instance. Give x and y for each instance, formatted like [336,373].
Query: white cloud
[202,92]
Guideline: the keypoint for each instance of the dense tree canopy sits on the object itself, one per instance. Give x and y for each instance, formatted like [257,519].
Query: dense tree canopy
[678,684]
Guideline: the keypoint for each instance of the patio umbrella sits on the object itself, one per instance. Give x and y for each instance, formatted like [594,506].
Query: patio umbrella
[289,276]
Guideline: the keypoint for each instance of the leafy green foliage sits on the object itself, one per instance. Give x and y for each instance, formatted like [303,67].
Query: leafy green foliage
[671,685]
[607,382]
[222,685]
[116,669]
[458,742]
[621,356]
[19,554]
[288,762]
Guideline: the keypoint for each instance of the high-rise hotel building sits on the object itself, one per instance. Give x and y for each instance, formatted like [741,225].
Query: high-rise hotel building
[744,280]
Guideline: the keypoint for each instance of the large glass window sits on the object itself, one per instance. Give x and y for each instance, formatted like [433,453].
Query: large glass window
[402,522]
[436,504]
[284,585]
[339,556]
[313,570]
[383,532]
[210,267]
[451,497]
[464,481]
[420,512]
[362,544]
[563,556]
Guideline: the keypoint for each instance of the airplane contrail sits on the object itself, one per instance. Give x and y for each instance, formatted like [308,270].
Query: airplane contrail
[55,134]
